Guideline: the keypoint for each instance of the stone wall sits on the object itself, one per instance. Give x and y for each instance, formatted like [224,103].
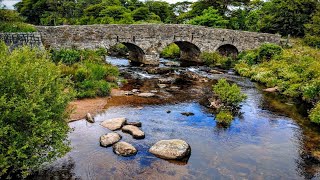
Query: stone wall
[19,39]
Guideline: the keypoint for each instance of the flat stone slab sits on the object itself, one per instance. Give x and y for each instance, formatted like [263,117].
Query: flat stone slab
[134,131]
[109,139]
[114,124]
[146,95]
[174,149]
[124,149]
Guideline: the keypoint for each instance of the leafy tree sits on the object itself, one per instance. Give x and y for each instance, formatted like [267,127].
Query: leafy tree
[286,16]
[141,14]
[210,17]
[33,100]
[160,8]
[116,12]
[313,30]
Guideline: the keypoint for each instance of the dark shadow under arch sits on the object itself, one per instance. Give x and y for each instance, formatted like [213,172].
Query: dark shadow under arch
[188,51]
[129,50]
[228,50]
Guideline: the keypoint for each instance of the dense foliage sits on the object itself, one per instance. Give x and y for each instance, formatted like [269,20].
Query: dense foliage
[11,21]
[90,74]
[33,101]
[296,71]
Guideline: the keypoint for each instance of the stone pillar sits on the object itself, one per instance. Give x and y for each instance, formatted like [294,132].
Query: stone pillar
[151,59]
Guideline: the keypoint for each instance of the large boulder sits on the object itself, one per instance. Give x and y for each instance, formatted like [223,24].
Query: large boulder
[114,124]
[134,131]
[174,149]
[109,139]
[124,149]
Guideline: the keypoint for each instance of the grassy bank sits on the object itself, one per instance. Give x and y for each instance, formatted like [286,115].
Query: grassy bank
[89,73]
[294,71]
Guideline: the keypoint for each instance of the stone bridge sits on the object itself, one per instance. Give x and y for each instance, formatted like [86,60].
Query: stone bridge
[146,41]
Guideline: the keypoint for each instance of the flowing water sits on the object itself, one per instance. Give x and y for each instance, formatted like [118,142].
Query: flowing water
[270,139]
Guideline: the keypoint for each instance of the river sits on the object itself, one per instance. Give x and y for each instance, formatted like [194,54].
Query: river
[270,139]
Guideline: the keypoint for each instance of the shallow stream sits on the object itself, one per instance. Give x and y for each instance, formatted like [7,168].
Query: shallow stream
[271,139]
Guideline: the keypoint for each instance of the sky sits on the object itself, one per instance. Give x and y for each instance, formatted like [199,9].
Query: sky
[10,3]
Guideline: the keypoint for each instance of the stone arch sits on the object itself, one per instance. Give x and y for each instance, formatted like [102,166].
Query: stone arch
[188,51]
[228,50]
[136,53]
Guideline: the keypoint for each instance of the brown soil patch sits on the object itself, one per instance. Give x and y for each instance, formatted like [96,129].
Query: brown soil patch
[81,107]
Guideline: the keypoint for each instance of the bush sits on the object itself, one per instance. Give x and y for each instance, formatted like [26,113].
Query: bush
[171,52]
[33,100]
[268,50]
[90,79]
[230,95]
[313,41]
[315,114]
[72,56]
[224,117]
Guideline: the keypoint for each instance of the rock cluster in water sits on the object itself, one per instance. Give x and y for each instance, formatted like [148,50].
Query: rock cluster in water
[174,149]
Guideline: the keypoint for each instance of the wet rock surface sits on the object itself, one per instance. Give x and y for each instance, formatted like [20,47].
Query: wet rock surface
[109,139]
[138,124]
[114,124]
[124,149]
[174,149]
[147,95]
[89,118]
[187,113]
[134,131]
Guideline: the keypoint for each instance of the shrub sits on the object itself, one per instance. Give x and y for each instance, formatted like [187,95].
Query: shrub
[171,52]
[224,117]
[230,95]
[90,79]
[313,41]
[315,114]
[66,56]
[268,50]
[33,99]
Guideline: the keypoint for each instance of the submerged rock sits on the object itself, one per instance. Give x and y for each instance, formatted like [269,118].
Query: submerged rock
[174,149]
[146,95]
[188,113]
[124,149]
[109,139]
[89,118]
[138,124]
[134,131]
[114,124]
